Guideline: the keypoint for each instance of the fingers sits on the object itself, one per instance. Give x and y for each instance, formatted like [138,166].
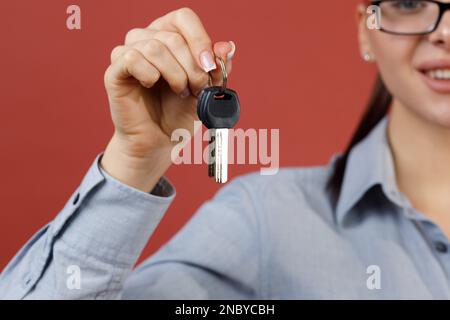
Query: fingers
[197,78]
[177,66]
[131,64]
[186,22]
[174,48]
[147,61]
[158,55]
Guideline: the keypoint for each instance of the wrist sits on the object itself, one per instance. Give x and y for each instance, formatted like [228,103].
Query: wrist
[140,172]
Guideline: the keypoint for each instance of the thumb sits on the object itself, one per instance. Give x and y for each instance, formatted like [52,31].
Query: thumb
[225,50]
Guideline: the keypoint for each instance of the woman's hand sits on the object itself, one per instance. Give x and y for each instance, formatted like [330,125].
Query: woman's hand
[152,85]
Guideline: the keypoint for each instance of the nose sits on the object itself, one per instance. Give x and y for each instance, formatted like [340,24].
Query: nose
[441,36]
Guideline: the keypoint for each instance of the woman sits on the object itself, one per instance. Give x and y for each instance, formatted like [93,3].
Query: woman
[373,223]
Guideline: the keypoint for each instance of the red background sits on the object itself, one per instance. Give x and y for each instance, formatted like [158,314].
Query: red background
[297,68]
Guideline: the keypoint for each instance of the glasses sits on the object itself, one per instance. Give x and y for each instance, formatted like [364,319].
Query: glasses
[410,17]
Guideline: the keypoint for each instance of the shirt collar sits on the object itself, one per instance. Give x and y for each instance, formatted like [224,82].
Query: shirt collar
[369,163]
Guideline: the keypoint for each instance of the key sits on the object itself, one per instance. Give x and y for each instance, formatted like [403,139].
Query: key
[221,155]
[211,153]
[219,110]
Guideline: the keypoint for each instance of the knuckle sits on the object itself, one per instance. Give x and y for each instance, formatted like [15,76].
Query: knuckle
[153,47]
[115,52]
[132,35]
[184,13]
[131,56]
[174,40]
[107,77]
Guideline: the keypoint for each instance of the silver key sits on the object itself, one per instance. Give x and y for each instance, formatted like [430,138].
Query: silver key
[218,108]
[211,154]
[221,155]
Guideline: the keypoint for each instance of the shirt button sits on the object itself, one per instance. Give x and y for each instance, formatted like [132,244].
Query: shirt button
[28,280]
[77,197]
[441,247]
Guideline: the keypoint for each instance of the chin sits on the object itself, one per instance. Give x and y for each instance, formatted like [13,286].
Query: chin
[438,114]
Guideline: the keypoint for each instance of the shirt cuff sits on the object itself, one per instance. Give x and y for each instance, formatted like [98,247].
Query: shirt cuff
[112,212]
[164,188]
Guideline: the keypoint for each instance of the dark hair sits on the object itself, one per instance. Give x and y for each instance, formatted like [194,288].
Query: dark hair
[377,108]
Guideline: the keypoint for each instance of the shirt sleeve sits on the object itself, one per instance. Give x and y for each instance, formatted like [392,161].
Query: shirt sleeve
[91,246]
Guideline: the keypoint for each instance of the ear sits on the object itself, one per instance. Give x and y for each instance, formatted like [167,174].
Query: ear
[363,30]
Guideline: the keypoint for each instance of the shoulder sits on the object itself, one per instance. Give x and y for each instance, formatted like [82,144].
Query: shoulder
[306,180]
[292,190]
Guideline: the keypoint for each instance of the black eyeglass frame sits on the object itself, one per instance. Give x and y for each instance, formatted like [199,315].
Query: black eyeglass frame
[442,8]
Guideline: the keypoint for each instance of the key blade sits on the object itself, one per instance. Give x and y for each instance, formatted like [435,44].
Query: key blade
[211,153]
[221,155]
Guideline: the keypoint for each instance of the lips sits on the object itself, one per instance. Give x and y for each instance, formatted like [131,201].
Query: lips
[436,74]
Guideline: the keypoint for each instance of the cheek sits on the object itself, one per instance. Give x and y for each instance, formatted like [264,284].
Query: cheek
[395,57]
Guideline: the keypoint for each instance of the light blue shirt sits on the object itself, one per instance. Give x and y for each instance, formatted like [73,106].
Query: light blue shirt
[264,237]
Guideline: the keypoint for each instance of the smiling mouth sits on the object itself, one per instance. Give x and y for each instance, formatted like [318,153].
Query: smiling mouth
[438,74]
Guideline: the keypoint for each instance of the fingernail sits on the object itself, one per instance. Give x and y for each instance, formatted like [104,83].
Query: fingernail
[207,61]
[231,53]
[185,93]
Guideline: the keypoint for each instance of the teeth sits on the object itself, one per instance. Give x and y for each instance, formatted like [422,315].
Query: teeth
[443,74]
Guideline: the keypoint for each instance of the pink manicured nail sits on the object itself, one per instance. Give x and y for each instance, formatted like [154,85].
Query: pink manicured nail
[207,61]
[231,53]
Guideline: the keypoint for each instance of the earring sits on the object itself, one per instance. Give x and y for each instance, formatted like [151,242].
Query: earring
[367,57]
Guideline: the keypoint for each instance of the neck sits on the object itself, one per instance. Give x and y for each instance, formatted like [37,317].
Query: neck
[421,152]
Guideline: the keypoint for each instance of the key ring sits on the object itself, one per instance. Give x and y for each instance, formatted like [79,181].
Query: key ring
[224,75]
